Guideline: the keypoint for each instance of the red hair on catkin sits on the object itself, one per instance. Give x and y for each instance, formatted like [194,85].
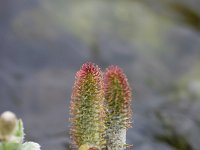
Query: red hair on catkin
[116,73]
[87,93]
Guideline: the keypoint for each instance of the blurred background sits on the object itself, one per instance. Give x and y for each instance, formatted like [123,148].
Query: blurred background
[157,43]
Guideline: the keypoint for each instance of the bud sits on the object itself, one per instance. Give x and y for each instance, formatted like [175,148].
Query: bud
[8,122]
[87,147]
[83,147]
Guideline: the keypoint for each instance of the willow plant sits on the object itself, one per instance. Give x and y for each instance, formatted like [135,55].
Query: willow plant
[100,109]
[87,109]
[118,99]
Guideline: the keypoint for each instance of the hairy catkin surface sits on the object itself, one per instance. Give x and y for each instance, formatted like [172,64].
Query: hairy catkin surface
[118,99]
[87,108]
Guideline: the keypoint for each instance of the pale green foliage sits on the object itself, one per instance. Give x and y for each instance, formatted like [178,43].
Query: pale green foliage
[19,146]
[30,146]
[12,138]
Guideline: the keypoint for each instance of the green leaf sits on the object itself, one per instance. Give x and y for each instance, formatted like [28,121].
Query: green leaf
[17,146]
[10,146]
[19,133]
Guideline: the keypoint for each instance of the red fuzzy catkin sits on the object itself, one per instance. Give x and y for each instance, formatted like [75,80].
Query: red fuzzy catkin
[118,100]
[87,107]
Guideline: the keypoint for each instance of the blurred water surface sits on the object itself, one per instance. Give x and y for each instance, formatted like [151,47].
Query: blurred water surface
[157,43]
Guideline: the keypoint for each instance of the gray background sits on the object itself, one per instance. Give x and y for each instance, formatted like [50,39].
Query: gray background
[157,43]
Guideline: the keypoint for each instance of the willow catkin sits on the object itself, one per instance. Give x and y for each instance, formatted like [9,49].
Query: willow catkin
[87,108]
[118,99]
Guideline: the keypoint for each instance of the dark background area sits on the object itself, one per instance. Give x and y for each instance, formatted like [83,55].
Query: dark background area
[157,43]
